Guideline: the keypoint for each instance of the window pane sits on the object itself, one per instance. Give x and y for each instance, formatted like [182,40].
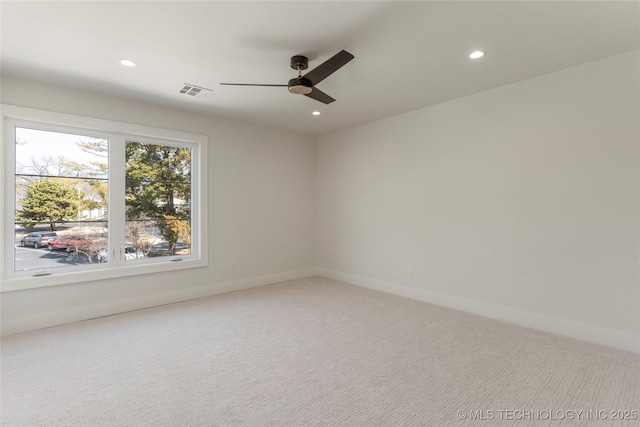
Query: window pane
[158,200]
[60,199]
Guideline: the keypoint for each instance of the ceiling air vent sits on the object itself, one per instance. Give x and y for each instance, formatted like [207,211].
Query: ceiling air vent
[195,91]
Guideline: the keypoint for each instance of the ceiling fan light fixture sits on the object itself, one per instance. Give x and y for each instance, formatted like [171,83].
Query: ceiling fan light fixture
[300,89]
[316,113]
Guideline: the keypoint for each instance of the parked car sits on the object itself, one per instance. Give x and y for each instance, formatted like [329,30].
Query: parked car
[70,243]
[37,239]
[130,252]
[162,249]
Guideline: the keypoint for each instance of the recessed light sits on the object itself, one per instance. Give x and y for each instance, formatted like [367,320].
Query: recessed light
[316,113]
[476,54]
[127,63]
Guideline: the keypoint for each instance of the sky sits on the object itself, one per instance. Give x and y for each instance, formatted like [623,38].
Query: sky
[38,144]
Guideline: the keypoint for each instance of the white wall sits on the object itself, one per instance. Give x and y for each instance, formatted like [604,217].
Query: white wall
[261,212]
[519,203]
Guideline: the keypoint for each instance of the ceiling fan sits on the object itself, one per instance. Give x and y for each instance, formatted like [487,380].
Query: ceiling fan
[305,85]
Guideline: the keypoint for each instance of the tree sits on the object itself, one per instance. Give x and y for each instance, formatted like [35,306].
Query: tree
[173,229]
[91,176]
[47,201]
[100,149]
[89,179]
[90,205]
[47,166]
[158,187]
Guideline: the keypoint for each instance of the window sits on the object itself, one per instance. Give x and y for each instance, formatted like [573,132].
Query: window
[158,198]
[61,195]
[88,199]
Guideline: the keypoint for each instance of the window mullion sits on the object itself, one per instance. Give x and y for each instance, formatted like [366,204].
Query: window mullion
[116,199]
[8,201]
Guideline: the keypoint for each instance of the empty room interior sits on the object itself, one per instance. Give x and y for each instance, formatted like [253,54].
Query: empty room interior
[355,213]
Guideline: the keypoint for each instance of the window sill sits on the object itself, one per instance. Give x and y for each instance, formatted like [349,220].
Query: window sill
[95,274]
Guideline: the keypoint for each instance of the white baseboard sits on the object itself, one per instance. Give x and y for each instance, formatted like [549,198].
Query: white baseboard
[569,328]
[91,311]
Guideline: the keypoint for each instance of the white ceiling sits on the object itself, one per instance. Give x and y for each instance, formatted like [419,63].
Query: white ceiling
[408,55]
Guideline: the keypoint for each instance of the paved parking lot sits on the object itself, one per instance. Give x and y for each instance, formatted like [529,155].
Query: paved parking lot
[30,258]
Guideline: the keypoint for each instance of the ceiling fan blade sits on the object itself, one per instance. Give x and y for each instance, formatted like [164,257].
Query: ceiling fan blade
[250,84]
[319,95]
[328,67]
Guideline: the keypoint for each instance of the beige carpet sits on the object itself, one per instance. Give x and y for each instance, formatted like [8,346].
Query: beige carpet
[304,353]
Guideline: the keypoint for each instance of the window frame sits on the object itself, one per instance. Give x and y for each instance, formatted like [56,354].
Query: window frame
[118,133]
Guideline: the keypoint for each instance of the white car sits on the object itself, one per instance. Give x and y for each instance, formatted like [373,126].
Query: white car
[130,252]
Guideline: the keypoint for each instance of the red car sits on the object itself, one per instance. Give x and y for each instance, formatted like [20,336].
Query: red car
[70,243]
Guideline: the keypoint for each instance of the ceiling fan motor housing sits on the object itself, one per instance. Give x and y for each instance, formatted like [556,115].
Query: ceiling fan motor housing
[299,62]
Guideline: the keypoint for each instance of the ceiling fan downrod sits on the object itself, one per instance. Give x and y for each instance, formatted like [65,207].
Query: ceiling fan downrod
[299,86]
